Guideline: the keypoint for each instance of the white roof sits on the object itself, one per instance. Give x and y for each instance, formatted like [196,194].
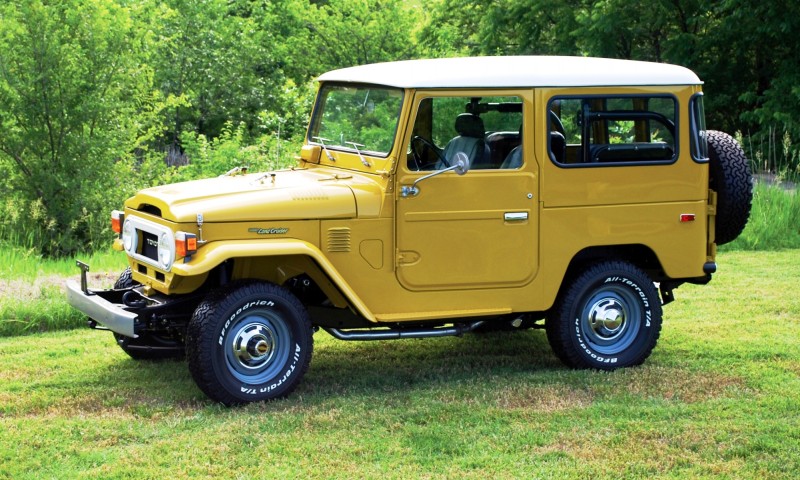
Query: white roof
[520,71]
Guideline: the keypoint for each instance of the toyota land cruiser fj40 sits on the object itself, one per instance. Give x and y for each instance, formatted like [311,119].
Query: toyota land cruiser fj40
[434,198]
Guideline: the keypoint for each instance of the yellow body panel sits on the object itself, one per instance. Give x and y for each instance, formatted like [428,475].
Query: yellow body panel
[485,243]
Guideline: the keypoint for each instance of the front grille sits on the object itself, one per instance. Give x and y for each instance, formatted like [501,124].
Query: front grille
[149,244]
[146,240]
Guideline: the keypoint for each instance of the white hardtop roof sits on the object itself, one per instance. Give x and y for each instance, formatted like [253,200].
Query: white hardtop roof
[520,71]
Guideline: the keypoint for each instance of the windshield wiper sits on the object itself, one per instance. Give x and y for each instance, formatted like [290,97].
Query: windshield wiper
[324,148]
[356,145]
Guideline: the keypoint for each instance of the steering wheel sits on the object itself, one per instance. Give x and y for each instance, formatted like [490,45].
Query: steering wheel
[418,157]
[556,122]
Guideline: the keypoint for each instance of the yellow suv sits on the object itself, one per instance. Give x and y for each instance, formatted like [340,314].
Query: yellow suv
[435,198]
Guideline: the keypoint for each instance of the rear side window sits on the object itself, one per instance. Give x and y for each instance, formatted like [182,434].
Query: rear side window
[612,130]
[698,129]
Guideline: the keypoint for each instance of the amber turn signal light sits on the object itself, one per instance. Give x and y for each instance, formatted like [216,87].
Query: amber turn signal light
[185,244]
[117,218]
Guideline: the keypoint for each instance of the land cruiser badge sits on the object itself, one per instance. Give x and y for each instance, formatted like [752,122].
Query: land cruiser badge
[268,231]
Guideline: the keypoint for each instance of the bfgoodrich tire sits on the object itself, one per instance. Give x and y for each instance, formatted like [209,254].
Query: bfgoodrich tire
[249,342]
[730,177]
[608,317]
[146,346]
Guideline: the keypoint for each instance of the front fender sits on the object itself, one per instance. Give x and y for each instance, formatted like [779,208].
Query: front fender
[213,254]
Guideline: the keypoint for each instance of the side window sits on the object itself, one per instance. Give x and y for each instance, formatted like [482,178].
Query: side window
[698,129]
[608,130]
[487,129]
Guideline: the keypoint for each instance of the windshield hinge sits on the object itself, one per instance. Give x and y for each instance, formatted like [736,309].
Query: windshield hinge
[324,148]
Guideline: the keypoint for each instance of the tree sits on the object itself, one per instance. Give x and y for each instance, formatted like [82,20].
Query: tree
[354,32]
[74,101]
[215,56]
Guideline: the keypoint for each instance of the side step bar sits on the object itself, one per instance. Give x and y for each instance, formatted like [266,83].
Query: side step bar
[396,334]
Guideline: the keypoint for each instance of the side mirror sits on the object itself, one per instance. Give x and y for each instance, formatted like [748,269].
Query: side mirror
[460,164]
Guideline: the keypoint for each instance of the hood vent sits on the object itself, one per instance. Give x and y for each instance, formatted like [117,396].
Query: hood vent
[338,239]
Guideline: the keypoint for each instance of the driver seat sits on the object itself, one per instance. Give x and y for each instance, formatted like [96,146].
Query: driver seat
[469,140]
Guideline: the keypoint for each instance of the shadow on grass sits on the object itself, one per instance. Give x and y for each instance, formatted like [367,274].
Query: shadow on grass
[358,369]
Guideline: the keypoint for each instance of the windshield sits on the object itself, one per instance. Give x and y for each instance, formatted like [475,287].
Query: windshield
[356,118]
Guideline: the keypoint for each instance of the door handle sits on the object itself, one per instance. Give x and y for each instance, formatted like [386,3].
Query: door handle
[515,216]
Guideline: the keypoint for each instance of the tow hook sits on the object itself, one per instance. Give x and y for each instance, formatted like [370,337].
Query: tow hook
[134,299]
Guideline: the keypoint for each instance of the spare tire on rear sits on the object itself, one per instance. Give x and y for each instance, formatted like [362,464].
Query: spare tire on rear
[730,177]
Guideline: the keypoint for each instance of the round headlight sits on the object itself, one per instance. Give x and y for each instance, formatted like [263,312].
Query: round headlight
[128,237]
[166,251]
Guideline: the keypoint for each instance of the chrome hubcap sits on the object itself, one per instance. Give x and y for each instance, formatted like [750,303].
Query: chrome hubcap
[254,345]
[611,319]
[607,318]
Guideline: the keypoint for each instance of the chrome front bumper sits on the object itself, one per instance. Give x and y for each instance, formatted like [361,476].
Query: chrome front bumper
[111,315]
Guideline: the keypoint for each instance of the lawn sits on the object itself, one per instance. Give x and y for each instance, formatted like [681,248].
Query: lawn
[718,398]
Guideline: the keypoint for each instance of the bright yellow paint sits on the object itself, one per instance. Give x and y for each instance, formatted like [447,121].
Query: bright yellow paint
[449,251]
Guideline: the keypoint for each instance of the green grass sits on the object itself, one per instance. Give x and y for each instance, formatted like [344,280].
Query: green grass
[717,399]
[18,263]
[32,295]
[774,221]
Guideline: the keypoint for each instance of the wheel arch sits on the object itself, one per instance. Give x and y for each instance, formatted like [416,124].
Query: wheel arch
[277,261]
[638,254]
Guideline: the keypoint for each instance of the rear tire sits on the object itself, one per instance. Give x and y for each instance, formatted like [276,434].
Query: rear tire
[730,177]
[249,342]
[608,317]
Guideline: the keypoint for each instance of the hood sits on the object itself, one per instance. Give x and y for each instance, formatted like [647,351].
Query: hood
[281,195]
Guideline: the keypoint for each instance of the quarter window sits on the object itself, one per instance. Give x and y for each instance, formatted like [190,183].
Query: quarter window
[698,129]
[597,131]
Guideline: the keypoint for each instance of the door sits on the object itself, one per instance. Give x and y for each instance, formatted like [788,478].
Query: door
[477,230]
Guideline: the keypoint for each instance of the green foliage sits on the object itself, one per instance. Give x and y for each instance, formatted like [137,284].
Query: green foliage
[221,60]
[101,97]
[32,289]
[774,220]
[772,152]
[71,92]
[354,32]
[229,150]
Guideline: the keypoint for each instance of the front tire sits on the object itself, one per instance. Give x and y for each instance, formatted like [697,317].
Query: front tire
[249,342]
[609,317]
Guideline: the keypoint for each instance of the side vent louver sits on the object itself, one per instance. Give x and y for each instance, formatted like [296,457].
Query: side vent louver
[338,239]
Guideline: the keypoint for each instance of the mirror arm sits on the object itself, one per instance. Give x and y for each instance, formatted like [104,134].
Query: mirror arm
[413,191]
[461,165]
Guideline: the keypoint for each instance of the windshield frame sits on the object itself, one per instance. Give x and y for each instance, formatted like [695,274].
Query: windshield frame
[319,113]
